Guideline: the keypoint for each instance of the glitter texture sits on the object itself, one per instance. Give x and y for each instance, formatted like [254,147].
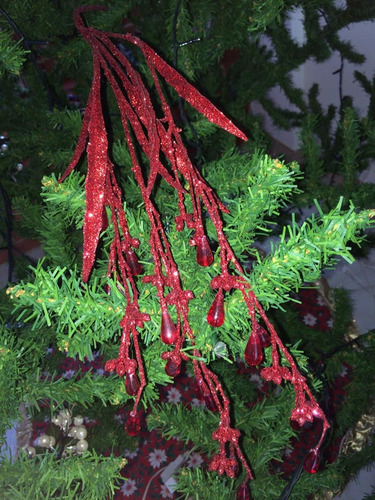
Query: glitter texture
[160,141]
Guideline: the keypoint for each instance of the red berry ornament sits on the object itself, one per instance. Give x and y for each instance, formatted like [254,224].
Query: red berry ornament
[133,262]
[204,253]
[132,384]
[243,493]
[253,353]
[172,369]
[133,425]
[264,337]
[168,330]
[216,315]
[311,462]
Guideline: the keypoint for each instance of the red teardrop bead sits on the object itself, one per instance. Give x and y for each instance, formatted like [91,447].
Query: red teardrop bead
[216,315]
[172,369]
[210,402]
[133,425]
[311,462]
[264,336]
[132,384]
[295,425]
[168,330]
[243,493]
[198,388]
[253,353]
[133,262]
[204,253]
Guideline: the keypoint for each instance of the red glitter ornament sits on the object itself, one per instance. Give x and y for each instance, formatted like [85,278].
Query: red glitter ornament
[159,140]
[132,384]
[253,352]
[312,461]
[172,369]
[243,492]
[168,330]
[133,424]
[216,314]
[204,253]
[264,337]
[133,262]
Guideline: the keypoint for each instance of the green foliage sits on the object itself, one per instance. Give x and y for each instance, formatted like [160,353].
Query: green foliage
[12,55]
[66,479]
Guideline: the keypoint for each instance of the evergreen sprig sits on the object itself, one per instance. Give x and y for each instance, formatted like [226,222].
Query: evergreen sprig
[88,477]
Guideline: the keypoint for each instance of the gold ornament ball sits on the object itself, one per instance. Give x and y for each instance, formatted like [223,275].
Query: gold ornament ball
[82,446]
[52,441]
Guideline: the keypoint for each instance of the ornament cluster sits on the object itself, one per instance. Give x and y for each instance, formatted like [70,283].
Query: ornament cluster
[67,435]
[160,141]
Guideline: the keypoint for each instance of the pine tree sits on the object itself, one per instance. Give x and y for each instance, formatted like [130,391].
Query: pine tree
[52,306]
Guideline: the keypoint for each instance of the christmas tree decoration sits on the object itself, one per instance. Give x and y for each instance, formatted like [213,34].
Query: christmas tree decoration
[172,369]
[160,141]
[204,253]
[132,275]
[243,492]
[168,330]
[132,384]
[216,313]
[253,354]
[311,462]
[133,424]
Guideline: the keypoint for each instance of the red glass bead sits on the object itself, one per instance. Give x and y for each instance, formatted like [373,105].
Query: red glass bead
[295,425]
[216,315]
[132,384]
[264,336]
[133,262]
[133,425]
[204,253]
[198,389]
[243,493]
[168,330]
[172,369]
[311,462]
[210,402]
[253,353]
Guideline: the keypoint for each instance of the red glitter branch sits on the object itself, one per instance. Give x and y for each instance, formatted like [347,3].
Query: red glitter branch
[160,140]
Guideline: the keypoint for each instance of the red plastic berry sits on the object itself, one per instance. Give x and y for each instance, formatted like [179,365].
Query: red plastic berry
[168,330]
[204,253]
[133,425]
[253,353]
[243,493]
[132,384]
[133,262]
[264,336]
[311,462]
[172,369]
[216,314]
